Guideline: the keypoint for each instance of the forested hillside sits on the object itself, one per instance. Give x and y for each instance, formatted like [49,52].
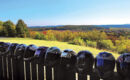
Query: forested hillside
[68,27]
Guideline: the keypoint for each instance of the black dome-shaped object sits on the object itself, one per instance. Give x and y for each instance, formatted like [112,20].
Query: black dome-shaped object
[30,51]
[52,56]
[12,49]
[40,54]
[4,47]
[1,47]
[85,61]
[41,51]
[68,59]
[19,51]
[123,65]
[105,63]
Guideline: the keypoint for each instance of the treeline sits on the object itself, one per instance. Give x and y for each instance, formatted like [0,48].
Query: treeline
[118,32]
[68,27]
[94,38]
[9,29]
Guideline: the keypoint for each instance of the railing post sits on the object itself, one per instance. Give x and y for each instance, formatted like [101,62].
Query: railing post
[1,60]
[1,69]
[5,51]
[105,64]
[123,66]
[84,65]
[40,68]
[18,63]
[28,59]
[67,62]
[52,62]
[10,56]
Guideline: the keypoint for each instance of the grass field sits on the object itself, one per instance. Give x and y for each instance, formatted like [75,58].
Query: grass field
[61,45]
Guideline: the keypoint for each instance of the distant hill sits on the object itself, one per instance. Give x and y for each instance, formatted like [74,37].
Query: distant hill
[46,26]
[66,27]
[115,26]
[77,27]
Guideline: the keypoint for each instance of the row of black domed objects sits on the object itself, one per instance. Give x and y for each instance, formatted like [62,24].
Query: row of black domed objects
[84,60]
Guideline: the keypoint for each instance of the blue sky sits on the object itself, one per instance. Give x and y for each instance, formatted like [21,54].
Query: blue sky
[65,12]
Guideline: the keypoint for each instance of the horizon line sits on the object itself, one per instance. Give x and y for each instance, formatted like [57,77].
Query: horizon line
[79,24]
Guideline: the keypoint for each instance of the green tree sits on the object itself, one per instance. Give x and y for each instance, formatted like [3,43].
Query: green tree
[1,28]
[39,36]
[91,43]
[102,36]
[9,29]
[106,44]
[21,29]
[78,41]
[1,23]
[122,45]
[96,35]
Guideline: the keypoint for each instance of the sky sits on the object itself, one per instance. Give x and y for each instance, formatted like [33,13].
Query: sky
[66,12]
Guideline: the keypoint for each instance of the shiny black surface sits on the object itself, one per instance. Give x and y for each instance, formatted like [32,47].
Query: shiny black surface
[84,62]
[105,64]
[12,49]
[19,51]
[123,65]
[40,54]
[52,56]
[4,48]
[68,59]
[30,51]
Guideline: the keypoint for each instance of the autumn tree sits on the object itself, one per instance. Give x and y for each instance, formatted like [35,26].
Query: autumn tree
[50,35]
